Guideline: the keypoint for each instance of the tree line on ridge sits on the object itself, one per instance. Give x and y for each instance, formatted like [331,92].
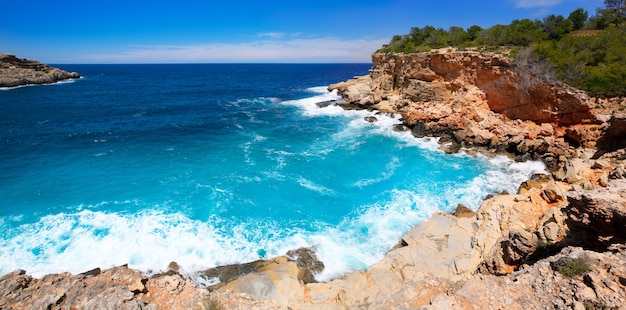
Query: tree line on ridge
[587,52]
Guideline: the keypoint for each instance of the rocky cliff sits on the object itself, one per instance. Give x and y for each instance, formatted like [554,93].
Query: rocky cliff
[518,91]
[17,72]
[476,99]
[559,242]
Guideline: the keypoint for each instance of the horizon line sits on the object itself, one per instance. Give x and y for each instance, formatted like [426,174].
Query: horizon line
[214,63]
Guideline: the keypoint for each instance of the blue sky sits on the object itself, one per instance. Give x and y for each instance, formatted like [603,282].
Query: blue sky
[79,31]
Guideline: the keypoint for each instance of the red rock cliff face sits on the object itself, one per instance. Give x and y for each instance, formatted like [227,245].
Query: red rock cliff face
[507,90]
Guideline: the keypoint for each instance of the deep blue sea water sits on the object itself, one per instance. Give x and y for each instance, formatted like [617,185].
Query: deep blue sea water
[215,164]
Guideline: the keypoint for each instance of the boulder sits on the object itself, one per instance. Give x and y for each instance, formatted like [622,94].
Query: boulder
[527,185]
[371,119]
[308,263]
[419,129]
[327,103]
[354,90]
[547,130]
[619,172]
[551,231]
[521,243]
[277,281]
[400,128]
[552,192]
[463,211]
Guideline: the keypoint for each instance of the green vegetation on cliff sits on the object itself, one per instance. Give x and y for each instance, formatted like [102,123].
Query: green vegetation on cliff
[585,52]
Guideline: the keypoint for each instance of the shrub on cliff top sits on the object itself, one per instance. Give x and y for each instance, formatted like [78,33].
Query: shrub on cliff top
[593,63]
[570,267]
[593,60]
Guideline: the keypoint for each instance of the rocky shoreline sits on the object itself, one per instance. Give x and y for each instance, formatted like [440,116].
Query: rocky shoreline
[559,242]
[16,72]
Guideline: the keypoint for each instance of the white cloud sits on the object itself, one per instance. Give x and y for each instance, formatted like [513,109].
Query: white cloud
[271,50]
[272,35]
[536,3]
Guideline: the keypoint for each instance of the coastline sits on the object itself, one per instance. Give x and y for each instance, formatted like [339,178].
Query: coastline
[439,262]
[64,81]
[18,72]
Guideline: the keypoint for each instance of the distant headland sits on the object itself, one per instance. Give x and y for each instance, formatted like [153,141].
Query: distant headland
[19,72]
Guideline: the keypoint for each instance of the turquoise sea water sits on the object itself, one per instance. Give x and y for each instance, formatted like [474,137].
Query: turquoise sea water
[215,164]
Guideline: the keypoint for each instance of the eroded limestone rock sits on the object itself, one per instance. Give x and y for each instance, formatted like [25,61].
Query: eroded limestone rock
[17,71]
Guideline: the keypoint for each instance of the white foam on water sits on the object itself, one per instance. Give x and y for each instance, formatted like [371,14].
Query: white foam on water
[390,169]
[272,175]
[258,138]
[357,124]
[318,89]
[315,187]
[384,127]
[257,100]
[502,175]
[361,241]
[247,148]
[309,105]
[67,81]
[148,241]
[512,173]
[279,156]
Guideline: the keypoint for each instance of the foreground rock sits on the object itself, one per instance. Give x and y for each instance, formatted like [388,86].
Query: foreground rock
[17,72]
[542,286]
[115,288]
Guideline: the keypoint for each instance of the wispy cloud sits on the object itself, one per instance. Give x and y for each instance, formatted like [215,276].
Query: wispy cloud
[542,12]
[269,50]
[536,3]
[272,35]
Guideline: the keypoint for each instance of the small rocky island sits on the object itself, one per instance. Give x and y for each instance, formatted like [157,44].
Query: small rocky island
[18,72]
